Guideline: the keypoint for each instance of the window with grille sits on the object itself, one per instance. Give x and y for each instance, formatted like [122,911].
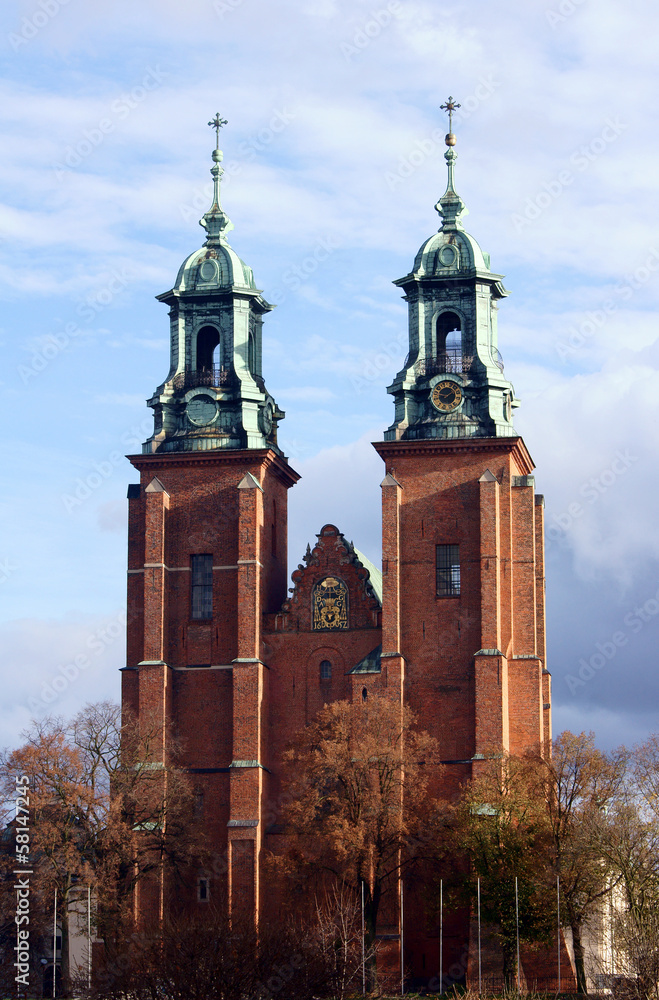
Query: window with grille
[202,586]
[326,670]
[448,570]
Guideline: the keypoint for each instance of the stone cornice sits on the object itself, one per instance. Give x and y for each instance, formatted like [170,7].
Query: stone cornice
[514,446]
[265,457]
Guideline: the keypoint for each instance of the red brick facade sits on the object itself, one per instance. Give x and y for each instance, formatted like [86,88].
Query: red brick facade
[221,658]
[234,687]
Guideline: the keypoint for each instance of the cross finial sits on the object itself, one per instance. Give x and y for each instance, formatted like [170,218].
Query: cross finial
[450,106]
[217,124]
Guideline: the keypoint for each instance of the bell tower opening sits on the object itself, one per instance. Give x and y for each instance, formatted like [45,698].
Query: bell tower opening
[209,349]
[449,341]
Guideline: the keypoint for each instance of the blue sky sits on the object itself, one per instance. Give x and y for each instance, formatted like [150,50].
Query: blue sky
[333,150]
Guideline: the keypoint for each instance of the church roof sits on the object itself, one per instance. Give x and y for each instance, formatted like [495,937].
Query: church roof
[370,664]
[213,267]
[374,574]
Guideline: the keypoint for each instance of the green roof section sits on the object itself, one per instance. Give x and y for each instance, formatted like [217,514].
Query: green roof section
[370,664]
[375,575]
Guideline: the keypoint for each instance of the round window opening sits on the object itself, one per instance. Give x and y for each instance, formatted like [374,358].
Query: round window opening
[448,255]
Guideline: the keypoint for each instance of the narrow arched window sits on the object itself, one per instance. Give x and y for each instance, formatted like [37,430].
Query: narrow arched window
[364,694]
[326,670]
[449,340]
[208,349]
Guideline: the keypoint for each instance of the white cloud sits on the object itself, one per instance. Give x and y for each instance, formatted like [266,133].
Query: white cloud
[307,394]
[54,666]
[532,96]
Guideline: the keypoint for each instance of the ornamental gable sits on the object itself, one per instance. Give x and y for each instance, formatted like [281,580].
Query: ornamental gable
[334,591]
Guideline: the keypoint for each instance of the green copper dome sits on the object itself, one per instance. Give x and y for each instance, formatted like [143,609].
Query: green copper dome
[447,253]
[212,268]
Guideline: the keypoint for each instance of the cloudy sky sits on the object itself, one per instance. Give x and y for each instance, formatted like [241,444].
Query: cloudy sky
[333,159]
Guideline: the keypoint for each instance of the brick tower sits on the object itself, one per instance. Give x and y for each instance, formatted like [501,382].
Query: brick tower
[207,557]
[463,610]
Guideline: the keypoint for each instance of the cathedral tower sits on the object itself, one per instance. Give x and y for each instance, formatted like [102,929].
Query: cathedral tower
[207,560]
[463,606]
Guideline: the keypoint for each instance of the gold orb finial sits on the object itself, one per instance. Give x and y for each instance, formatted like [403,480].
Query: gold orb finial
[450,139]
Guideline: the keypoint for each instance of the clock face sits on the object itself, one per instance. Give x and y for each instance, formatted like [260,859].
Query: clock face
[446,396]
[265,419]
[201,410]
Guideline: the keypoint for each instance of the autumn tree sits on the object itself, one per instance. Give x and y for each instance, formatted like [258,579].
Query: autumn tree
[338,943]
[501,825]
[358,778]
[629,845]
[97,812]
[580,783]
[217,957]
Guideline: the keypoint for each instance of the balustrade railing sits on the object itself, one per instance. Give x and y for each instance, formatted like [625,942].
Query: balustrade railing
[216,377]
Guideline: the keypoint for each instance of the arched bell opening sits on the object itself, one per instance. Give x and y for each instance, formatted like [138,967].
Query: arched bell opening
[209,349]
[448,341]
